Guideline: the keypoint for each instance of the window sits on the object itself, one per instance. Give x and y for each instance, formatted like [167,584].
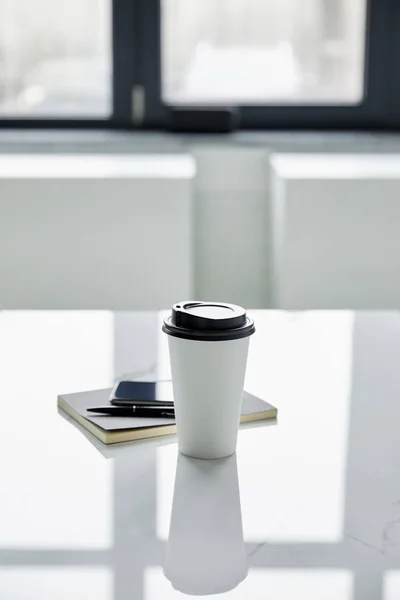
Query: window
[55,58]
[318,64]
[263,51]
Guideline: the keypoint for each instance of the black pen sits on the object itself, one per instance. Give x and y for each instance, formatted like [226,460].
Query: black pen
[144,403]
[135,411]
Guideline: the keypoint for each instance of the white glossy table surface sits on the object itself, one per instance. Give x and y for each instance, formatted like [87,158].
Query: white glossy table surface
[308,508]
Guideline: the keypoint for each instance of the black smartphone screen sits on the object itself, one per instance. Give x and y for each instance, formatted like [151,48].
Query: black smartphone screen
[131,392]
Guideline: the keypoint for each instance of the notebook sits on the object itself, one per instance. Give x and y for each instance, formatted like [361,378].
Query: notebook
[111,430]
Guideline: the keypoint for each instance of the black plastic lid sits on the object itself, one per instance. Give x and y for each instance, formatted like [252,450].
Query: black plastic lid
[208,321]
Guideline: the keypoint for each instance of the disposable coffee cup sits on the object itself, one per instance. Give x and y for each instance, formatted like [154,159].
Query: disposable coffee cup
[205,551]
[208,347]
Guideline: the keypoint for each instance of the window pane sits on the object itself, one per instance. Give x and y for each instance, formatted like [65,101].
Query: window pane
[55,58]
[263,51]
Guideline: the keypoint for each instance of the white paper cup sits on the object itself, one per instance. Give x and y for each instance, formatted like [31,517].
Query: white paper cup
[208,364]
[205,551]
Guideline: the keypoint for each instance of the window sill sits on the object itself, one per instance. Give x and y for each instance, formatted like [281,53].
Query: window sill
[94,142]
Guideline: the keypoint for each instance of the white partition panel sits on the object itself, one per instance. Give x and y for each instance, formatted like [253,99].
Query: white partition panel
[95,231]
[336,231]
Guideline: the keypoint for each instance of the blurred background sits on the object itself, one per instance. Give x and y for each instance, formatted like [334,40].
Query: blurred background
[238,150]
[57,59]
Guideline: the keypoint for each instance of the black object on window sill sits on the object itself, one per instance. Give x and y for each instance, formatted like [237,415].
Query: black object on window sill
[203,119]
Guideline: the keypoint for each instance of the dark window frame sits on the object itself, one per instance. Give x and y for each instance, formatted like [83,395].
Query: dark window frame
[136,49]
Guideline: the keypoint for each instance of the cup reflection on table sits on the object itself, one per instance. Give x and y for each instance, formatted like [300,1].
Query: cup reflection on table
[205,550]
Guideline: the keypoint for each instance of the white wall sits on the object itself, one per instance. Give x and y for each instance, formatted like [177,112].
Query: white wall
[230,234]
[335,223]
[232,225]
[95,232]
[233,230]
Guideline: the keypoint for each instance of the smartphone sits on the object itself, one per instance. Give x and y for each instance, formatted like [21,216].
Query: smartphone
[126,393]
